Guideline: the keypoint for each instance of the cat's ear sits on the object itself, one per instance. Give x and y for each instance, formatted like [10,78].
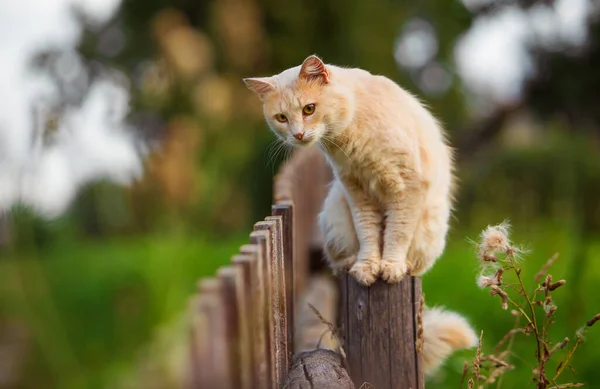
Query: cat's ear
[261,86]
[314,69]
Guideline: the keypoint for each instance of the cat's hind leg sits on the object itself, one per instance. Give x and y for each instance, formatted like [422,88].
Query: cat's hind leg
[336,225]
[429,238]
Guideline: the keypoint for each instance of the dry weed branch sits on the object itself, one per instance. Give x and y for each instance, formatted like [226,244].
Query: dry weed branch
[499,258]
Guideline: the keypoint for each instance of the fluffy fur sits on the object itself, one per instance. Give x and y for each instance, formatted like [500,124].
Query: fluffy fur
[388,209]
[443,333]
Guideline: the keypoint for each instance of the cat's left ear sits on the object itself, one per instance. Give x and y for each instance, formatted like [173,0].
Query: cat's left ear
[314,69]
[261,86]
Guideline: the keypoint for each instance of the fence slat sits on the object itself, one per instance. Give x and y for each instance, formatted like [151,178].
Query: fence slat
[380,333]
[278,306]
[417,285]
[403,327]
[286,211]
[262,239]
[232,296]
[248,370]
[216,369]
[260,347]
[197,333]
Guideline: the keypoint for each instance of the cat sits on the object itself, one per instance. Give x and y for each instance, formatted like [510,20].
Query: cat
[388,208]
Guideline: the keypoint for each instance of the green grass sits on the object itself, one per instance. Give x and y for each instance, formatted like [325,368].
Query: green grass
[451,283]
[92,305]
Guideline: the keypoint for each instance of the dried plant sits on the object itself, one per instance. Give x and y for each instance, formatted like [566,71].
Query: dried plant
[533,311]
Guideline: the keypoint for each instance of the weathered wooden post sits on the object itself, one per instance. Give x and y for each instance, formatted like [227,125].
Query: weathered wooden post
[380,333]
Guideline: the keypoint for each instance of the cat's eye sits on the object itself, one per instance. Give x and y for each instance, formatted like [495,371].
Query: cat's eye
[308,109]
[281,118]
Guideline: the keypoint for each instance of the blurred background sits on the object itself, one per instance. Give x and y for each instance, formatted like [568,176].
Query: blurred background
[133,161]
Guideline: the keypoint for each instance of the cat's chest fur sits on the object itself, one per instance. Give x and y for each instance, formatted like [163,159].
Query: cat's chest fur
[363,173]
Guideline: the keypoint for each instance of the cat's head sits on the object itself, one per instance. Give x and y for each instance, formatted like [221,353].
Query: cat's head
[304,104]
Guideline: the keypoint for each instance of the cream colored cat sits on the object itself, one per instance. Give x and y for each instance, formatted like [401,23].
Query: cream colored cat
[388,208]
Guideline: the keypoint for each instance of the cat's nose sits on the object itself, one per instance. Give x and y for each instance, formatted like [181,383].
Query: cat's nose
[299,135]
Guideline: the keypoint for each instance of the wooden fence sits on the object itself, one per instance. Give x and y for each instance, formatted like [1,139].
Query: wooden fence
[243,319]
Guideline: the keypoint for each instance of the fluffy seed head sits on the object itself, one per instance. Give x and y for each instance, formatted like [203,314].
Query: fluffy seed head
[494,239]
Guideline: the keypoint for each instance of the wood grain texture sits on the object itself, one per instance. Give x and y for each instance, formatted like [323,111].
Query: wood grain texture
[379,327]
[262,239]
[286,211]
[248,373]
[417,294]
[318,369]
[260,347]
[232,297]
[277,308]
[215,361]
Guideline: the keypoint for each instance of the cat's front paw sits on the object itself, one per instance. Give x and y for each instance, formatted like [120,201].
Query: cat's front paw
[393,271]
[365,272]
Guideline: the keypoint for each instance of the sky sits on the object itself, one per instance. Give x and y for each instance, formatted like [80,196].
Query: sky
[93,141]
[492,58]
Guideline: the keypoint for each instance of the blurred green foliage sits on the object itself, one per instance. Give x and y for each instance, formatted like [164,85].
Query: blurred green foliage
[458,269]
[97,287]
[90,305]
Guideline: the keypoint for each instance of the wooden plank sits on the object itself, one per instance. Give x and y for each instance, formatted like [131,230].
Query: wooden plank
[343,314]
[282,354]
[204,346]
[216,369]
[379,336]
[286,211]
[404,330]
[248,370]
[260,347]
[302,232]
[417,294]
[357,331]
[232,296]
[262,239]
[380,333]
[197,333]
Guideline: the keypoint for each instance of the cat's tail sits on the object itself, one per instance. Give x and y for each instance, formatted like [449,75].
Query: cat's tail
[443,333]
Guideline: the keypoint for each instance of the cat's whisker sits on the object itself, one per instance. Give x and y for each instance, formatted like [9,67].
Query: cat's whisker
[332,141]
[274,147]
[285,147]
[333,137]
[287,153]
[271,149]
[276,151]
